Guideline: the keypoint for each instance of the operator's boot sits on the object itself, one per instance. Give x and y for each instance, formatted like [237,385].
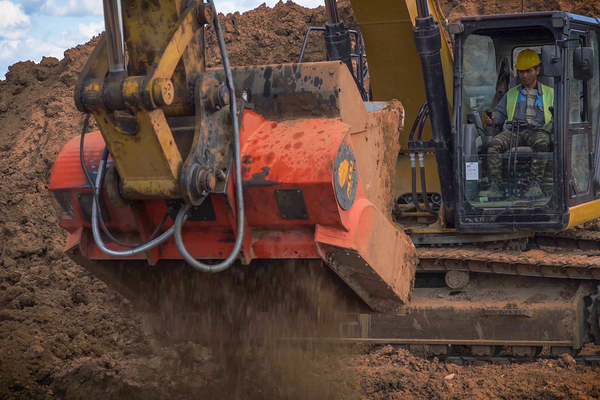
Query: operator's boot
[534,192]
[548,180]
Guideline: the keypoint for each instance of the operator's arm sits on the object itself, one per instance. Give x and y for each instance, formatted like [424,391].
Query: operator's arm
[500,114]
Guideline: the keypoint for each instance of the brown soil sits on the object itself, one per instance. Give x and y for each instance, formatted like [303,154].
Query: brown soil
[64,334]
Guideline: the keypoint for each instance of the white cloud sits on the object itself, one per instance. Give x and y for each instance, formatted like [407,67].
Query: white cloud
[14,23]
[16,42]
[75,8]
[8,48]
[32,6]
[84,33]
[90,30]
[32,49]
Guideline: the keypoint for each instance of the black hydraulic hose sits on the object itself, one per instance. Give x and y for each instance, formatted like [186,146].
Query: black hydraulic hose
[422,125]
[424,185]
[104,158]
[413,172]
[413,162]
[416,123]
[422,165]
[179,221]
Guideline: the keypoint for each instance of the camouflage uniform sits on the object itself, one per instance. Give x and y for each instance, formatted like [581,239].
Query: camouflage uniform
[535,135]
[538,140]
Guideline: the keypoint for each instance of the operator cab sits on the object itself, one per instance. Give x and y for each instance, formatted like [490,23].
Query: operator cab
[486,52]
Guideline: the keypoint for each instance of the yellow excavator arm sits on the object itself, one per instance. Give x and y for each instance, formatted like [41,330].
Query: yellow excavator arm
[394,65]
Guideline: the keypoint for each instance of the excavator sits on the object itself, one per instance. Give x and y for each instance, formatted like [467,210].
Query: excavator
[198,172]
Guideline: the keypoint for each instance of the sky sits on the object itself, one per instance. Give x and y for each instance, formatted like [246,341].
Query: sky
[31,29]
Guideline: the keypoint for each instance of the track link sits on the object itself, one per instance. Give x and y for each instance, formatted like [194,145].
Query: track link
[506,360]
[536,263]
[593,316]
[581,239]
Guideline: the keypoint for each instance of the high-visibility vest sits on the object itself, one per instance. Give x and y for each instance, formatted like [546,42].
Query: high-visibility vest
[547,100]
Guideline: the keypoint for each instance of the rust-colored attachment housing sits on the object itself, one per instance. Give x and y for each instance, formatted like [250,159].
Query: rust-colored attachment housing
[317,166]
[317,171]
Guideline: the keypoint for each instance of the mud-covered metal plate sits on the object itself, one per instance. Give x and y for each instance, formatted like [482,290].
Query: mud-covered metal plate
[291,204]
[345,176]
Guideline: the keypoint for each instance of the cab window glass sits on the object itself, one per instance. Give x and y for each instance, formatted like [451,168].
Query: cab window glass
[503,176]
[595,88]
[576,88]
[479,72]
[580,167]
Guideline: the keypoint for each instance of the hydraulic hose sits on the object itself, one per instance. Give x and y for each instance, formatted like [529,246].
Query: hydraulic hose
[424,184]
[413,130]
[96,230]
[422,165]
[104,157]
[181,216]
[413,171]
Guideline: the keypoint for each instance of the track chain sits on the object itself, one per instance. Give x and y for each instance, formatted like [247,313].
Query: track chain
[571,239]
[537,262]
[505,360]
[593,316]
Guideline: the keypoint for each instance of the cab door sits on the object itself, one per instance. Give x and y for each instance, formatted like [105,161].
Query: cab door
[595,106]
[579,146]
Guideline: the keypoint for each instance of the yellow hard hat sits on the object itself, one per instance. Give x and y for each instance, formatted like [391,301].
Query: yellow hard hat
[527,59]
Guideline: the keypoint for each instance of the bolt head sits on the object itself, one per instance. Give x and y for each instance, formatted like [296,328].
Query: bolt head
[220,175]
[224,97]
[210,182]
[204,13]
[203,181]
[163,91]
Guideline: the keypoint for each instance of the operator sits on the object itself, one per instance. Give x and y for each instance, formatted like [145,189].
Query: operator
[529,105]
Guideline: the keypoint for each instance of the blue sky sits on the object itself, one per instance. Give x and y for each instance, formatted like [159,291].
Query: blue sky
[30,29]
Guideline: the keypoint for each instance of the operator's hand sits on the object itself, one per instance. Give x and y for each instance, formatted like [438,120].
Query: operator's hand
[488,120]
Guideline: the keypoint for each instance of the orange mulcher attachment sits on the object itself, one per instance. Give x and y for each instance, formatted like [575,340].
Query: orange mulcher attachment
[317,174]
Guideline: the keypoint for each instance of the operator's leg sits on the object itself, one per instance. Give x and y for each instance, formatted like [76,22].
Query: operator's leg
[539,141]
[498,145]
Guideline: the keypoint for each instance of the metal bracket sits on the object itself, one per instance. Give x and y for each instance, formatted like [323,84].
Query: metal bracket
[207,166]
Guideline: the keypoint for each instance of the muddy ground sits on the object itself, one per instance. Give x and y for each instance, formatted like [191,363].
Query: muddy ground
[64,334]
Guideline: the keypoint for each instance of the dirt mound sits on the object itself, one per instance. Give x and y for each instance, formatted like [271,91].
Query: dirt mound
[65,334]
[397,374]
[458,8]
[51,311]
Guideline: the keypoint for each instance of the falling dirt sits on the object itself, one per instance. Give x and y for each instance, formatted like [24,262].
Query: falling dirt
[64,334]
